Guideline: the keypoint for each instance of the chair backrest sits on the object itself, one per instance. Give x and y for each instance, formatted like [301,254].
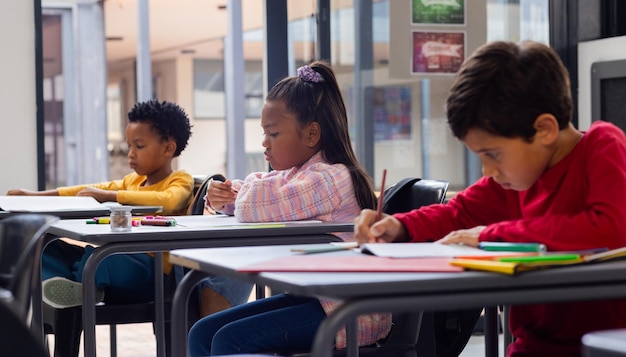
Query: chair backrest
[197,204]
[410,193]
[21,241]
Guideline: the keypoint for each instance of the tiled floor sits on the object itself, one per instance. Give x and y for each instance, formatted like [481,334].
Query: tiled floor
[137,340]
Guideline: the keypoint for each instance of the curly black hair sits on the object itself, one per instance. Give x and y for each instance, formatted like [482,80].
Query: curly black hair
[168,119]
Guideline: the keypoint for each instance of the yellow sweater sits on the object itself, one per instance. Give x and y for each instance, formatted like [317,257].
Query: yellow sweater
[174,193]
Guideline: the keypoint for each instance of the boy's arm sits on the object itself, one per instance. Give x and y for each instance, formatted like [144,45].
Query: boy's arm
[482,203]
[74,190]
[25,192]
[173,194]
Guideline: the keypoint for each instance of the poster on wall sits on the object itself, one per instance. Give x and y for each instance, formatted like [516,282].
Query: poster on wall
[437,52]
[438,12]
[391,107]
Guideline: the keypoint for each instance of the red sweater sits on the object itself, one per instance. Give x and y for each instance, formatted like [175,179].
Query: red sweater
[579,203]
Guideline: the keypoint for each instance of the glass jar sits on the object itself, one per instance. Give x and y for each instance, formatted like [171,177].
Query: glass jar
[121,218]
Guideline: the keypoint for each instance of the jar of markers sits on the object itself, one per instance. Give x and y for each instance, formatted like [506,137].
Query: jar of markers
[121,218]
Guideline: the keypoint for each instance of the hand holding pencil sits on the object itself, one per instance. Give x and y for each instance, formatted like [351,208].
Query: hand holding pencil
[375,226]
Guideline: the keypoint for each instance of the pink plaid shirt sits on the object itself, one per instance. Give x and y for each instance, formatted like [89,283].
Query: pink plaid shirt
[316,190]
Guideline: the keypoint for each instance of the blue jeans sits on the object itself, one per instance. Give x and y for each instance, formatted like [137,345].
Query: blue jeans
[279,323]
[236,292]
[124,278]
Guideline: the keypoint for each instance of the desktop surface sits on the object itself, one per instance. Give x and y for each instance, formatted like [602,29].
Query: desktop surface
[192,227]
[348,285]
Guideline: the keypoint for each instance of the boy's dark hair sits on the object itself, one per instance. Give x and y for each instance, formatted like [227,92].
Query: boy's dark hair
[321,101]
[503,87]
[167,119]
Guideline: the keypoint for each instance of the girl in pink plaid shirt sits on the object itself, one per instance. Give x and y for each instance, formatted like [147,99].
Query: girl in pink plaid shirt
[316,176]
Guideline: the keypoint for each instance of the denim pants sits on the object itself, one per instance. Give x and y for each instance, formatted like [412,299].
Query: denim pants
[124,278]
[279,323]
[236,292]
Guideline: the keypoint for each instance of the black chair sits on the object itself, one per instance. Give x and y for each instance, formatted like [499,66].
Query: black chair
[410,332]
[21,240]
[16,338]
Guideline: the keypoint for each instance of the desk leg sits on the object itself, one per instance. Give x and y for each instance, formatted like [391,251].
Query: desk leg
[345,314]
[508,337]
[179,311]
[89,296]
[352,338]
[89,300]
[159,314]
[491,331]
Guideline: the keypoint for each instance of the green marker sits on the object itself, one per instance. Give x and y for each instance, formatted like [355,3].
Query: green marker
[512,247]
[541,258]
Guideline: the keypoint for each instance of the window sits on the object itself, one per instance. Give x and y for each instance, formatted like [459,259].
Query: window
[209,101]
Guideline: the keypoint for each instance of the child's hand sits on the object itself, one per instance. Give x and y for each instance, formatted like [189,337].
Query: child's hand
[20,192]
[368,230]
[98,194]
[219,194]
[464,236]
[25,192]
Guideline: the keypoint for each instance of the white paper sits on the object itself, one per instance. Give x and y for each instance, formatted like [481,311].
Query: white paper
[48,203]
[423,250]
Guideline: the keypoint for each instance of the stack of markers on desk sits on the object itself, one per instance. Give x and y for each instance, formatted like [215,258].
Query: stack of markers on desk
[530,256]
[138,221]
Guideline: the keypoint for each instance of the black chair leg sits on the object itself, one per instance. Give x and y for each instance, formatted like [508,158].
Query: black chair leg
[113,339]
[426,345]
[67,331]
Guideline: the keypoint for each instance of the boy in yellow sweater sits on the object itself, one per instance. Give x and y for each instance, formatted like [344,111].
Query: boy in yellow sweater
[156,133]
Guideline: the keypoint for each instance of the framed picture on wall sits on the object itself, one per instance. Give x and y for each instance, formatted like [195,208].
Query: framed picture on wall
[391,108]
[438,12]
[437,52]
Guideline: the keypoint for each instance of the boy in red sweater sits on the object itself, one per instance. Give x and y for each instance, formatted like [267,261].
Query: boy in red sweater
[544,181]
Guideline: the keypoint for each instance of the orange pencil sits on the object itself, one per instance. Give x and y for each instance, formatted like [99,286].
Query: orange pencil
[381,197]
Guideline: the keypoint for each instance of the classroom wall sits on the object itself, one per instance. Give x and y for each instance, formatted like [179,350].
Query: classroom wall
[445,155]
[17,96]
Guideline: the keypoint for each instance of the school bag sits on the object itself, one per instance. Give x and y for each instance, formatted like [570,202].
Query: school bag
[442,333]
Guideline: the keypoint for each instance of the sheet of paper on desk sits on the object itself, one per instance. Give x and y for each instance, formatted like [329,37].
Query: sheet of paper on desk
[355,264]
[424,250]
[47,203]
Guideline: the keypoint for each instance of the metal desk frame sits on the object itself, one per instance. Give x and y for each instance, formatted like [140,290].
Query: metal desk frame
[402,292]
[161,239]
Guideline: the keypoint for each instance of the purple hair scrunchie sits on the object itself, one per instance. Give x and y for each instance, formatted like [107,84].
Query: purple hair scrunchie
[307,74]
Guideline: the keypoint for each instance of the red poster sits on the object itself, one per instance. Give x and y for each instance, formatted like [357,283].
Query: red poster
[437,52]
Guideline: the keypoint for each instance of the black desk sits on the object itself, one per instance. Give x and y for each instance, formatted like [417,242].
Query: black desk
[192,232]
[401,292]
